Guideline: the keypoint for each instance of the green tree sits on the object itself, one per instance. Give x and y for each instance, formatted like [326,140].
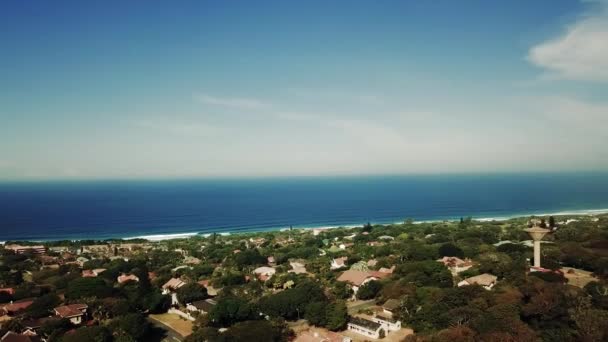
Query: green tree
[369,290]
[271,331]
[425,273]
[316,314]
[190,293]
[337,316]
[88,287]
[43,306]
[341,290]
[451,250]
[89,334]
[133,325]
[230,310]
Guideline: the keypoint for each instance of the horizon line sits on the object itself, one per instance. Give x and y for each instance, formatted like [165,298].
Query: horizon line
[301,176]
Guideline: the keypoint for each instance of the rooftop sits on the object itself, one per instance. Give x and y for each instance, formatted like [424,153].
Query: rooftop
[391,304]
[485,279]
[71,310]
[366,323]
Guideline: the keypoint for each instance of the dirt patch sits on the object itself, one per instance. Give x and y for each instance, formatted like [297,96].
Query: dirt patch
[577,277]
[173,321]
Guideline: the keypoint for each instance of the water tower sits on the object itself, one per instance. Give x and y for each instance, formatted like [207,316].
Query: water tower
[537,234]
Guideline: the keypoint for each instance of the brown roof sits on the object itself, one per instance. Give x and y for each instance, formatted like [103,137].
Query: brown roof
[124,278]
[355,277]
[391,304]
[72,310]
[8,290]
[485,279]
[174,284]
[18,306]
[14,337]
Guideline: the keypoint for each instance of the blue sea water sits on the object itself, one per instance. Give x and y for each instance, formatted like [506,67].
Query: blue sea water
[110,209]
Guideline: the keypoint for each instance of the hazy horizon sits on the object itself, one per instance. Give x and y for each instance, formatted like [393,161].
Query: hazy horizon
[273,89]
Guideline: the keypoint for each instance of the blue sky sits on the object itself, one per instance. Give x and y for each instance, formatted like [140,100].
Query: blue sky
[274,88]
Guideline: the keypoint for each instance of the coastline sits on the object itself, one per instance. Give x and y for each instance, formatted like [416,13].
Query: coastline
[206,233]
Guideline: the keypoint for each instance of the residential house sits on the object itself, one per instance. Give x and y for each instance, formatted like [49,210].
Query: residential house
[455,264]
[357,278]
[486,280]
[8,290]
[33,325]
[81,261]
[190,260]
[364,327]
[271,261]
[388,323]
[298,267]
[257,242]
[264,273]
[387,270]
[15,308]
[74,312]
[211,291]
[123,278]
[202,306]
[14,337]
[338,263]
[92,273]
[171,286]
[19,249]
[391,306]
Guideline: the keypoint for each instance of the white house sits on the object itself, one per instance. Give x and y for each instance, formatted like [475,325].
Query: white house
[264,273]
[365,327]
[73,312]
[170,287]
[387,323]
[338,263]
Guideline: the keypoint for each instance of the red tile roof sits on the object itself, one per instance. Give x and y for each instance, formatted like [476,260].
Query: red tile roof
[8,290]
[17,306]
[124,278]
[72,310]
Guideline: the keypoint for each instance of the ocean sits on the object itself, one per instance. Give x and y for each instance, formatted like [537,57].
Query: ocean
[58,210]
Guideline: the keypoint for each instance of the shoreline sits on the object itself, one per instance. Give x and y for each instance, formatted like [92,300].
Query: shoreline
[184,235]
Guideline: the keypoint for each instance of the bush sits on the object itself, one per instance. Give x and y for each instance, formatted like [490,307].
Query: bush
[450,250]
[369,290]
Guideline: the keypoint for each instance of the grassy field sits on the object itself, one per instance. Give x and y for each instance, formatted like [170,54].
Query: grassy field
[180,325]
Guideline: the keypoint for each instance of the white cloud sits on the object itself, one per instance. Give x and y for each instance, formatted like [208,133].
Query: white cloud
[581,53]
[575,112]
[233,102]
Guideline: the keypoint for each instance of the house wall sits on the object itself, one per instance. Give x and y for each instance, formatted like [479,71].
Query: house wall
[386,325]
[364,331]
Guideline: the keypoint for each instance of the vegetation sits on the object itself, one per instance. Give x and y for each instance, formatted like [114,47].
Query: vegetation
[553,305]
